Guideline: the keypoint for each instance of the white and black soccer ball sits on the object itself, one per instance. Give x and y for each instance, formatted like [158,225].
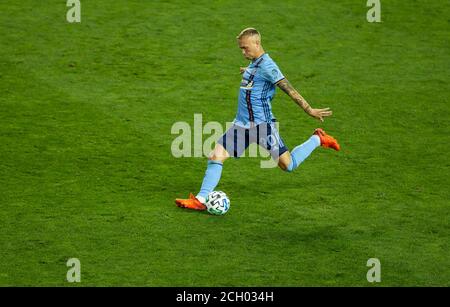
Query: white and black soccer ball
[217,203]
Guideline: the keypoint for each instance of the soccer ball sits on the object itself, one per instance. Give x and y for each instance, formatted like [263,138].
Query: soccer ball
[217,203]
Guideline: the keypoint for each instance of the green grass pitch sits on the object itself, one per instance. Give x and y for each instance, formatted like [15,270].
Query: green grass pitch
[86,169]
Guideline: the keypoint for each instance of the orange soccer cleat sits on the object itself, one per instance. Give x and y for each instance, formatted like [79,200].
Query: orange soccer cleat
[327,140]
[191,203]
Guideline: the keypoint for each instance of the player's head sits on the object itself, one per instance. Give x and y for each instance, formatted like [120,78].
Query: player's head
[249,40]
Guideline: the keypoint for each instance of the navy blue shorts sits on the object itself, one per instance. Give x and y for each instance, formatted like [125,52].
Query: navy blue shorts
[237,139]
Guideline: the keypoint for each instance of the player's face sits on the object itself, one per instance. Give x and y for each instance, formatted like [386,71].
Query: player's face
[249,46]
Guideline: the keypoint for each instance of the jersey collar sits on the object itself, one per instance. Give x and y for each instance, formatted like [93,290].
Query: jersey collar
[259,58]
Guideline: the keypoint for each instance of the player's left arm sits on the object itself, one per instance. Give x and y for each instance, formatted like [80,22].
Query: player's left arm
[295,95]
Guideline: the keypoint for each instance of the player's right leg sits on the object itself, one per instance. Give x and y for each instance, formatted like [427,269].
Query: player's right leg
[213,171]
[210,180]
[232,143]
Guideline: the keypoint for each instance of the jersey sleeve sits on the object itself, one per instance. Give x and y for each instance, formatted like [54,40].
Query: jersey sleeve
[270,72]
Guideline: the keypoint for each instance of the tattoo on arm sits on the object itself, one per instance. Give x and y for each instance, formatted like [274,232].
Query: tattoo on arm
[292,92]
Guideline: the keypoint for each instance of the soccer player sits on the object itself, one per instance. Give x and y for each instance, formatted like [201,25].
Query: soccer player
[254,122]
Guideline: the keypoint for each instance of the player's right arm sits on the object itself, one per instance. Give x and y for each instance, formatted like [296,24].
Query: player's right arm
[286,86]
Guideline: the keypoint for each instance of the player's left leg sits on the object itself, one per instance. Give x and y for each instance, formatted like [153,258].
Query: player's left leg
[284,160]
[290,161]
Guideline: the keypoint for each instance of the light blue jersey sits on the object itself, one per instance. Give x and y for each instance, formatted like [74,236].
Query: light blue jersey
[257,91]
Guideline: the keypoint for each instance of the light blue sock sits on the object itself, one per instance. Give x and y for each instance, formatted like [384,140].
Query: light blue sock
[301,152]
[211,179]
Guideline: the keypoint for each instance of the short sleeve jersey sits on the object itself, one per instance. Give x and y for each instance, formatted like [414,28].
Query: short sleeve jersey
[257,91]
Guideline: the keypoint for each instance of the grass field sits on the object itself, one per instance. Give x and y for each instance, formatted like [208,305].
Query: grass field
[86,168]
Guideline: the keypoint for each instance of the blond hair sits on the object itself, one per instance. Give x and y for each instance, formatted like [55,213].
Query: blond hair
[249,32]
